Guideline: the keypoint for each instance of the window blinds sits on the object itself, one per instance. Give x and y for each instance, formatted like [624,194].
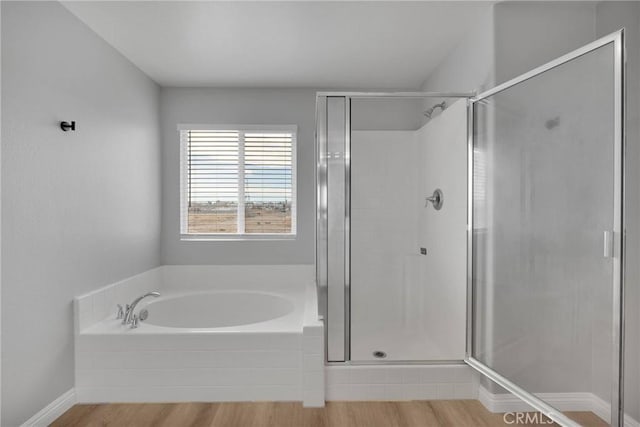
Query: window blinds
[267,182]
[213,173]
[238,181]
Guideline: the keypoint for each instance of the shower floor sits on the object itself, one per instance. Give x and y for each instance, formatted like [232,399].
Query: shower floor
[458,413]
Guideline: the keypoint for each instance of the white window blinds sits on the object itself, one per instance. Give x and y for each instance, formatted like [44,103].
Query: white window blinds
[268,188]
[238,181]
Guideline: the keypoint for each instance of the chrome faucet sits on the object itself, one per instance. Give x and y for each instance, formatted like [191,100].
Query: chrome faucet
[128,317]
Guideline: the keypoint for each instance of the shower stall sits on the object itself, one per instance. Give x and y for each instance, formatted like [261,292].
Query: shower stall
[484,229]
[384,239]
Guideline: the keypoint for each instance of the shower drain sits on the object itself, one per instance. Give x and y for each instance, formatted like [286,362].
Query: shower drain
[379,354]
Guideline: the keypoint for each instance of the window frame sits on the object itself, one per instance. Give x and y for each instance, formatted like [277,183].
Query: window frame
[184,182]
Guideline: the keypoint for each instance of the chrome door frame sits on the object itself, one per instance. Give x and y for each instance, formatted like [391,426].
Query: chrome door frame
[617,401]
[343,296]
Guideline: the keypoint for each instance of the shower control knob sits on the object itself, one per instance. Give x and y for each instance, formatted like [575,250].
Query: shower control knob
[437,199]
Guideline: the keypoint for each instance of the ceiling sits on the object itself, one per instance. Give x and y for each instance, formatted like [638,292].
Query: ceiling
[315,44]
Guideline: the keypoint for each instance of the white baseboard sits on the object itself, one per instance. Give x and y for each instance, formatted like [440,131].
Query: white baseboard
[500,403]
[495,403]
[52,411]
[506,402]
[602,409]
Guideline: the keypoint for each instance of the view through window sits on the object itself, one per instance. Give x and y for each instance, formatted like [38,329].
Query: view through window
[238,181]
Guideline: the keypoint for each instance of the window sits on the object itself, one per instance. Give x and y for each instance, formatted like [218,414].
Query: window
[237,182]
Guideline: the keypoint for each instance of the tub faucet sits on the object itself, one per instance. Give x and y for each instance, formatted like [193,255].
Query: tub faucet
[128,315]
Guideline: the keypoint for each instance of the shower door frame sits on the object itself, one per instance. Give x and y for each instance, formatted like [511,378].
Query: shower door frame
[617,401]
[322,199]
[617,38]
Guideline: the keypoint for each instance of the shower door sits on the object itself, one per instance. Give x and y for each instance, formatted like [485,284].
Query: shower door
[391,269]
[546,236]
[408,281]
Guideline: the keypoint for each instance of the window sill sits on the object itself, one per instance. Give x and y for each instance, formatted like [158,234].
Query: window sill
[236,237]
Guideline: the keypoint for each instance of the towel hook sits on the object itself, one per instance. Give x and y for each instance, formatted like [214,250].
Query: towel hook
[66,126]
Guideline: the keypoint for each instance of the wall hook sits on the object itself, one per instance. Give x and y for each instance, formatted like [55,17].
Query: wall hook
[66,126]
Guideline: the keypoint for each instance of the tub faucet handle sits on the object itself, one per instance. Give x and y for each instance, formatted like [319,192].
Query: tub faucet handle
[127,313]
[120,314]
[134,321]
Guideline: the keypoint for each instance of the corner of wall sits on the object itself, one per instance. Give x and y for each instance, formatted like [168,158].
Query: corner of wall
[81,205]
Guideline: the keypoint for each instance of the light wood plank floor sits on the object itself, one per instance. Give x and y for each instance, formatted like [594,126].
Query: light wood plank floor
[454,413]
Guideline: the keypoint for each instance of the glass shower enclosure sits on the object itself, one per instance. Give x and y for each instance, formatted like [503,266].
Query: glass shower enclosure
[391,264]
[488,231]
[546,243]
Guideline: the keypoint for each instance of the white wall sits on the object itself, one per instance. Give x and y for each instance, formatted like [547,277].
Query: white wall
[0,227]
[387,114]
[470,66]
[611,16]
[79,209]
[510,38]
[529,34]
[238,106]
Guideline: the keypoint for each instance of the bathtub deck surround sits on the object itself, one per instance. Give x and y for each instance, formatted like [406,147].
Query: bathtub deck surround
[274,353]
[103,303]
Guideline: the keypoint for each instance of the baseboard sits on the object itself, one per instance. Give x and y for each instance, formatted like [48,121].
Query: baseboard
[506,402]
[500,403]
[602,409]
[495,403]
[53,410]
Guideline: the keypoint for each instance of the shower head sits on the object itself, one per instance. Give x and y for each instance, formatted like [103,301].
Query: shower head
[430,111]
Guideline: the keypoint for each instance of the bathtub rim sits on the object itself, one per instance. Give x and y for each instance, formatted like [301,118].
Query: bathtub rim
[149,303]
[292,322]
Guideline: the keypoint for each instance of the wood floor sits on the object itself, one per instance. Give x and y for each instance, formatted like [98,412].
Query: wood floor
[454,413]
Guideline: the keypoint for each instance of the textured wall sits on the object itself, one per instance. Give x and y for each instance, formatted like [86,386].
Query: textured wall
[238,106]
[79,209]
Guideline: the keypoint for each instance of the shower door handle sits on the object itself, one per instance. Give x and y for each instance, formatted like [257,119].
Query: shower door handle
[607,244]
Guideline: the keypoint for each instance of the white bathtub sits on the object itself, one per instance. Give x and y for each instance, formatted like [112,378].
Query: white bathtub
[223,309]
[213,312]
[214,334]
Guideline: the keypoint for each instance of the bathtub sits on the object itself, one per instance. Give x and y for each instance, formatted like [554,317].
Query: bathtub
[248,310]
[221,311]
[215,334]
